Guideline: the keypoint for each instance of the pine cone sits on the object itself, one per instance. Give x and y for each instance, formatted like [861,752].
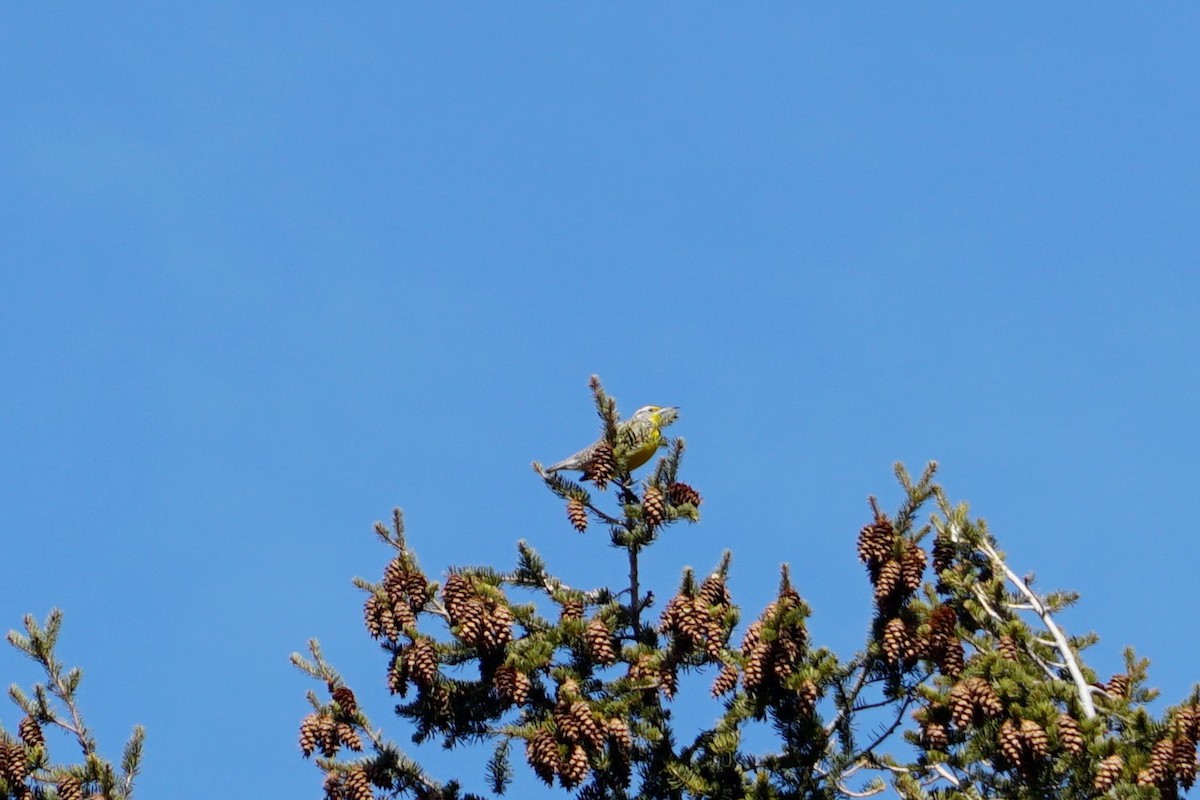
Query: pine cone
[714,592]
[1012,744]
[1162,761]
[1070,734]
[70,788]
[31,733]
[934,736]
[985,697]
[943,553]
[373,611]
[357,786]
[577,513]
[1118,685]
[726,680]
[887,580]
[572,608]
[417,589]
[512,685]
[618,731]
[912,568]
[397,679]
[952,659]
[589,729]
[13,762]
[807,694]
[1183,762]
[333,786]
[653,506]
[875,541]
[310,734]
[349,737]
[1188,721]
[598,639]
[344,697]
[681,494]
[575,770]
[541,751]
[567,723]
[601,466]
[327,736]
[896,640]
[458,594]
[1035,738]
[1007,647]
[1108,772]
[498,630]
[422,661]
[668,681]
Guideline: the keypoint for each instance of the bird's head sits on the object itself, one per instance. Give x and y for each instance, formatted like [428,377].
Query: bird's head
[659,416]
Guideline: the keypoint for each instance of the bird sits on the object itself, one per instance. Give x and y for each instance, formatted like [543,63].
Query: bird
[636,441]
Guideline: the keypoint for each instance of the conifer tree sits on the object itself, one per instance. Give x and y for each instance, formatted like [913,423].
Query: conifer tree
[966,685]
[26,769]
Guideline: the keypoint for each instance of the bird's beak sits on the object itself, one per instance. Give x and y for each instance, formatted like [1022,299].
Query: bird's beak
[669,415]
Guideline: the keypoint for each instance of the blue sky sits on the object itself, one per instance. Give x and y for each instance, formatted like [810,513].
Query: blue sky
[268,272]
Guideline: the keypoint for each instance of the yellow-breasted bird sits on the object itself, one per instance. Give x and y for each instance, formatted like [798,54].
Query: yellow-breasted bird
[636,440]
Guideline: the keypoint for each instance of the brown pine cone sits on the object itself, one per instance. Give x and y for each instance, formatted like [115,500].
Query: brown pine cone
[349,737]
[575,769]
[985,697]
[598,639]
[653,506]
[714,592]
[497,631]
[590,730]
[934,736]
[357,786]
[31,733]
[896,640]
[952,659]
[1162,760]
[681,494]
[421,656]
[310,734]
[577,513]
[1108,772]
[458,594]
[333,786]
[70,788]
[327,736]
[1188,722]
[572,608]
[1183,762]
[1070,734]
[619,733]
[566,722]
[371,617]
[397,679]
[601,466]
[912,567]
[726,680]
[887,580]
[808,694]
[541,751]
[13,763]
[1035,738]
[1007,647]
[1118,685]
[344,697]
[512,685]
[1012,744]
[943,553]
[875,541]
